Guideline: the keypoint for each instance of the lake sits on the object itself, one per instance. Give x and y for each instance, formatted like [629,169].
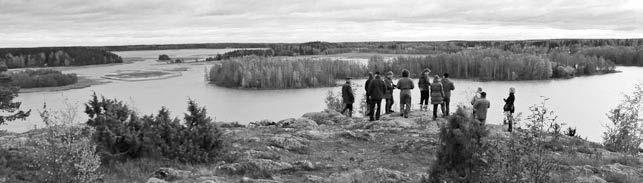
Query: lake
[580,102]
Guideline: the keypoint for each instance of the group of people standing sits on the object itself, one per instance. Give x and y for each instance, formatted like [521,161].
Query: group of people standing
[437,93]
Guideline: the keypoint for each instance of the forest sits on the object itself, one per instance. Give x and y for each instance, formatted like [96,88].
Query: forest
[241,53]
[277,72]
[493,64]
[56,56]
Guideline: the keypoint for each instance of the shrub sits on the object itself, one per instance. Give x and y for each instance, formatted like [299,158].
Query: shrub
[334,101]
[570,132]
[121,134]
[164,57]
[68,154]
[60,152]
[524,157]
[460,153]
[42,78]
[624,132]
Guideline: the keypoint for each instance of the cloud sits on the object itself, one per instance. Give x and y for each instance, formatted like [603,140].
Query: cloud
[116,22]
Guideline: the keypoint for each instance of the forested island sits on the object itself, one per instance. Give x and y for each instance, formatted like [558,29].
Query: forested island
[56,56]
[484,64]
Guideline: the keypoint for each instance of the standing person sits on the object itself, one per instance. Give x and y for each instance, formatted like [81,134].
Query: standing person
[437,96]
[405,84]
[424,85]
[509,108]
[448,87]
[480,107]
[388,95]
[368,81]
[376,90]
[476,96]
[348,97]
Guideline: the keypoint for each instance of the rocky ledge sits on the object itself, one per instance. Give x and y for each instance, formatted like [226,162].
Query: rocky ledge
[329,147]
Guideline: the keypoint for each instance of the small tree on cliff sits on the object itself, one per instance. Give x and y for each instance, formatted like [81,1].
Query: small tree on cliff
[624,134]
[460,156]
[9,110]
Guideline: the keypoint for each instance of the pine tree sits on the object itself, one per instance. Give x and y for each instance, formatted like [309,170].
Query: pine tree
[8,91]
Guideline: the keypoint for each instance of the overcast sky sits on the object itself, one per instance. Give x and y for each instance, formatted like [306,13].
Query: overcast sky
[30,23]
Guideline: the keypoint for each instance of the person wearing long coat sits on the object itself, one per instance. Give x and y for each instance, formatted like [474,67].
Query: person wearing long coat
[509,108]
[437,96]
[376,90]
[348,97]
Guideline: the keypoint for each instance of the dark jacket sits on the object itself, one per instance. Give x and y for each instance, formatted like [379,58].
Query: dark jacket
[424,84]
[437,93]
[509,103]
[376,89]
[347,94]
[368,82]
[448,87]
[389,88]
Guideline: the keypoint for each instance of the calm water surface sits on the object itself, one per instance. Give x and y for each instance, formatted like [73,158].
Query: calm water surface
[580,102]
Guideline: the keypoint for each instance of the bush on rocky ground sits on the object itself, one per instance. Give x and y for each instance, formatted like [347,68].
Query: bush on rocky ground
[624,133]
[460,153]
[122,134]
[60,152]
[334,101]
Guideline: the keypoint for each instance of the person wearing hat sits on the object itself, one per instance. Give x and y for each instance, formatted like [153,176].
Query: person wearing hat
[424,84]
[375,93]
[405,84]
[348,97]
[509,108]
[388,95]
[437,96]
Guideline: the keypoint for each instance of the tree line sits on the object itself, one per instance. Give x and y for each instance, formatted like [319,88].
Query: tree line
[56,56]
[278,72]
[241,53]
[621,55]
[494,64]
